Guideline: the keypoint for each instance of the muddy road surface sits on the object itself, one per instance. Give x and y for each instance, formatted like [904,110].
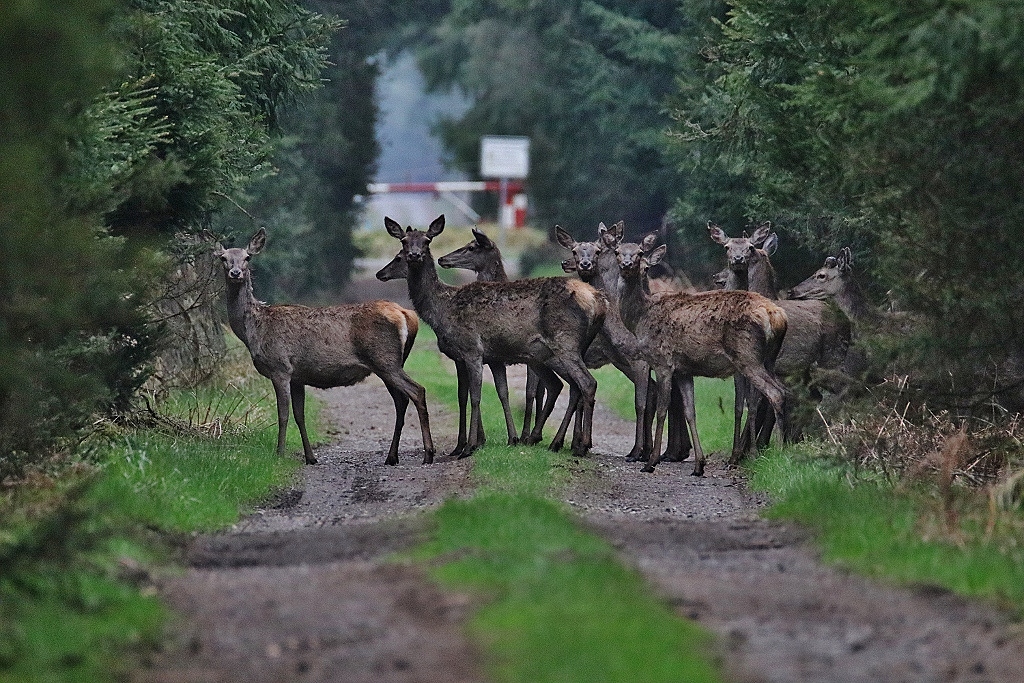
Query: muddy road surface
[305,589]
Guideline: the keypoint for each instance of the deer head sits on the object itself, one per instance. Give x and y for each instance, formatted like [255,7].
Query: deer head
[827,281]
[236,260]
[740,251]
[415,247]
[584,254]
[472,256]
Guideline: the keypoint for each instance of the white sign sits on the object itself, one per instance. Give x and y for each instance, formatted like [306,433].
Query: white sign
[504,156]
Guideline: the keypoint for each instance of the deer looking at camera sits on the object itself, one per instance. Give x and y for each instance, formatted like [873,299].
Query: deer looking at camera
[595,263]
[818,334]
[483,257]
[295,346]
[707,334]
[547,321]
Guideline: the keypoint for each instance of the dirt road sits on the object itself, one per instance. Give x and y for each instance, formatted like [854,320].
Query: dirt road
[302,590]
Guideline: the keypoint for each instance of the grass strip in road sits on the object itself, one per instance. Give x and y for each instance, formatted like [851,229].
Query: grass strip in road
[871,527]
[558,604]
[74,548]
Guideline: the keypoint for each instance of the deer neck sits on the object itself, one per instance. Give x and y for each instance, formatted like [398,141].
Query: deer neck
[852,302]
[243,311]
[761,279]
[428,293]
[492,272]
[634,300]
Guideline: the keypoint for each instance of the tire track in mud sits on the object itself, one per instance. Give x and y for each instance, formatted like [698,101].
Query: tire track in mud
[301,591]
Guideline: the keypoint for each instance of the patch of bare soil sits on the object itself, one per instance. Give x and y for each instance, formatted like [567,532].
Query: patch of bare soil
[301,591]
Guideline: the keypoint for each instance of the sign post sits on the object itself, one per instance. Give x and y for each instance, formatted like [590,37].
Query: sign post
[505,157]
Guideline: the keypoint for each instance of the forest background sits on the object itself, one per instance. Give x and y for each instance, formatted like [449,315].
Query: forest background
[127,129]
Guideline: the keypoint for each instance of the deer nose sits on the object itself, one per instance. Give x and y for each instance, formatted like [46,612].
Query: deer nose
[235,273]
[414,256]
[585,264]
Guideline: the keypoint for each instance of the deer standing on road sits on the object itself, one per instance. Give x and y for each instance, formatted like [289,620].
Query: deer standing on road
[483,257]
[295,346]
[549,321]
[595,263]
[817,334]
[707,334]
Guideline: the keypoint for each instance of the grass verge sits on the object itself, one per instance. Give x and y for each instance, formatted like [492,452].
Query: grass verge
[75,600]
[559,607]
[890,532]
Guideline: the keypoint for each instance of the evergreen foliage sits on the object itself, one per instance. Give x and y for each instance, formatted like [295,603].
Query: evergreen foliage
[896,129]
[121,125]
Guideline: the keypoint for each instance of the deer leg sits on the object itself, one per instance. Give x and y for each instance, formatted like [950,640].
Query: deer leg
[501,385]
[475,371]
[740,433]
[574,398]
[403,389]
[775,392]
[299,408]
[463,390]
[281,393]
[552,388]
[401,404]
[663,388]
[679,446]
[585,386]
[689,407]
[532,397]
[635,371]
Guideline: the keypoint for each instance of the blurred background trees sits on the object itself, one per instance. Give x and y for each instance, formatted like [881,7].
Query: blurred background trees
[127,127]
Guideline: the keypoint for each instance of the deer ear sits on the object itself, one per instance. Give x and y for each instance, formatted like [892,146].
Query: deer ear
[564,238]
[717,235]
[654,258]
[393,228]
[619,229]
[218,250]
[482,239]
[761,234]
[257,242]
[831,262]
[436,227]
[845,260]
[647,243]
[771,243]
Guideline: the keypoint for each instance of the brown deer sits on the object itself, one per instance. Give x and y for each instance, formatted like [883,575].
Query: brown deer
[818,335]
[295,346]
[835,281]
[596,265]
[707,334]
[545,321]
[483,257]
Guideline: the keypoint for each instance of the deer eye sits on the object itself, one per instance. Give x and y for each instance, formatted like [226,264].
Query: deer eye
[224,259]
[821,276]
[248,258]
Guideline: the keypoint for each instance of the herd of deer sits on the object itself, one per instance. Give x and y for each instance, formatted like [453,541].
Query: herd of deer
[561,327]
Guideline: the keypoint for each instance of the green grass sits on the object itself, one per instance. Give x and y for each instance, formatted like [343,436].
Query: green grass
[558,605]
[870,527]
[67,612]
[713,400]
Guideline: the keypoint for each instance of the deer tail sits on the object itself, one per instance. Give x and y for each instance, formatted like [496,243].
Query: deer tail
[412,327]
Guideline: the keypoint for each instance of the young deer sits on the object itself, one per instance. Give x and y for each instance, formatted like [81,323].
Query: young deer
[295,346]
[548,321]
[596,265]
[708,334]
[483,257]
[818,335]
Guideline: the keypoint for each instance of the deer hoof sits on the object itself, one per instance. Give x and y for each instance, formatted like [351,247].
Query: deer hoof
[310,460]
[648,468]
[514,441]
[391,460]
[698,471]
[428,458]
